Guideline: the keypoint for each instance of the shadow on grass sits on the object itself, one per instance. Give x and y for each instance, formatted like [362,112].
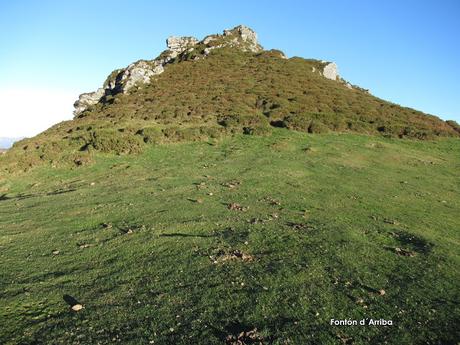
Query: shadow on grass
[4,197]
[417,243]
[236,328]
[71,301]
[178,234]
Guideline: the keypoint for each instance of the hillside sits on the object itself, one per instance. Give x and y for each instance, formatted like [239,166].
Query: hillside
[271,236]
[224,194]
[219,86]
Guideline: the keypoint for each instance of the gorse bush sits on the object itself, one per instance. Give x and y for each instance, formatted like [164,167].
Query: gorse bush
[113,141]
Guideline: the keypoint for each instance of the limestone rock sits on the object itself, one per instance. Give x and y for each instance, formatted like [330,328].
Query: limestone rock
[330,71]
[247,35]
[87,99]
[141,72]
[77,307]
[209,39]
[179,44]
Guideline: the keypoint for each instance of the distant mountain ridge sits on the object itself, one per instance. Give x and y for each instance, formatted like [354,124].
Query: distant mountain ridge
[222,85]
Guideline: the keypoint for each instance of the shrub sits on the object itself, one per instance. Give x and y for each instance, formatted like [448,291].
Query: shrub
[113,141]
[454,125]
[317,127]
[151,135]
[240,121]
[257,130]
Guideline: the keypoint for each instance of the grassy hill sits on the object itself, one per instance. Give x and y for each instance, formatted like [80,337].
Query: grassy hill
[197,243]
[237,198]
[230,90]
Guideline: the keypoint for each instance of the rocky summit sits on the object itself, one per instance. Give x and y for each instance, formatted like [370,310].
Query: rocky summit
[140,72]
[221,85]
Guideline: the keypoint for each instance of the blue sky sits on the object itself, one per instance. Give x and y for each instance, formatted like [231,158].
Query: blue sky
[407,52]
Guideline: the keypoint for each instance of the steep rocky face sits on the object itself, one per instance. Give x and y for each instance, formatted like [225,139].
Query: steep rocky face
[330,71]
[141,72]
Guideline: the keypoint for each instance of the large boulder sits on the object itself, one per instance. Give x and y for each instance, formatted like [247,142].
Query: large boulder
[330,71]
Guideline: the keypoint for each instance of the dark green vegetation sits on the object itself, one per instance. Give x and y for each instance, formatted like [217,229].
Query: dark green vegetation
[194,243]
[226,93]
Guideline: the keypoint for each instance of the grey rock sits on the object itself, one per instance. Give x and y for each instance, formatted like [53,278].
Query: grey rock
[141,72]
[179,44]
[87,99]
[247,35]
[330,71]
[209,39]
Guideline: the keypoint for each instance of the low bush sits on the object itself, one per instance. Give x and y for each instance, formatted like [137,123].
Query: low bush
[113,141]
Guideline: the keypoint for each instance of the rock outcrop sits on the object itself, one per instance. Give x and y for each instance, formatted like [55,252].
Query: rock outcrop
[330,71]
[178,44]
[247,35]
[87,99]
[141,72]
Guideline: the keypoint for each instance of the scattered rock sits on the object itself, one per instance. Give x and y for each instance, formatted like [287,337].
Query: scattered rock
[72,302]
[200,185]
[390,221]
[382,292]
[232,184]
[301,226]
[245,337]
[237,207]
[77,307]
[198,201]
[272,201]
[403,252]
[235,254]
[56,252]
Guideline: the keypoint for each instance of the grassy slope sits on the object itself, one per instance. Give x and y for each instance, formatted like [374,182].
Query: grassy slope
[226,92]
[322,251]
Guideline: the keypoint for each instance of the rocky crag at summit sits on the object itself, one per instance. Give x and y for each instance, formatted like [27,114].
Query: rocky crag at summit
[224,84]
[142,71]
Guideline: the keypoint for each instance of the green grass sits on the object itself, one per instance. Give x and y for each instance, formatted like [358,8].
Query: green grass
[228,92]
[322,218]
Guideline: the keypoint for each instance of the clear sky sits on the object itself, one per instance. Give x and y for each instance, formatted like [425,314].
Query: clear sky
[405,51]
